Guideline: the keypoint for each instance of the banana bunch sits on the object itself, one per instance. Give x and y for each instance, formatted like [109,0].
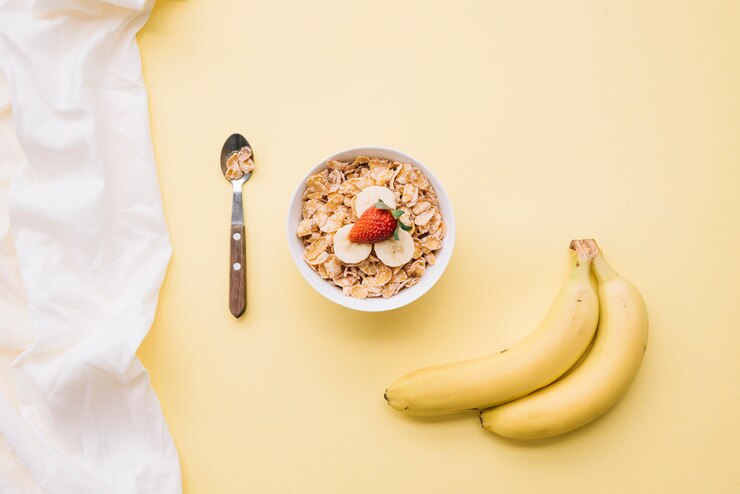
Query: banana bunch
[551,382]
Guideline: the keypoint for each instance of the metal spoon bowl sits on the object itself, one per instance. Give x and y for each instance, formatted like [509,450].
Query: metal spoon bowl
[232,145]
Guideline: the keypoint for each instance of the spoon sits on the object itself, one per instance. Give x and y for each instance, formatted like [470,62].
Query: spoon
[237,268]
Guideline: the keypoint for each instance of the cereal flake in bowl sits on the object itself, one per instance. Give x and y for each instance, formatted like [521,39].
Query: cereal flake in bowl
[326,213]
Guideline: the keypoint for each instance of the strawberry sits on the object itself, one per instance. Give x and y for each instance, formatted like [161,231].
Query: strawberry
[376,224]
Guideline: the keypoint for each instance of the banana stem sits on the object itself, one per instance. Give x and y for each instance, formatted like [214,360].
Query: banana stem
[586,249]
[602,270]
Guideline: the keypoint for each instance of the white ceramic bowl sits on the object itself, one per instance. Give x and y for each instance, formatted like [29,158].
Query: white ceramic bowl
[406,295]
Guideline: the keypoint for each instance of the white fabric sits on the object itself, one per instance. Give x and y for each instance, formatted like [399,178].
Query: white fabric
[83,250]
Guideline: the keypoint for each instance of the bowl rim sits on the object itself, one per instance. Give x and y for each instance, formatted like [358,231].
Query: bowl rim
[405,296]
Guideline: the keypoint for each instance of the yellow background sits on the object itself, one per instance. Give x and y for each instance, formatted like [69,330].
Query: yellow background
[545,121]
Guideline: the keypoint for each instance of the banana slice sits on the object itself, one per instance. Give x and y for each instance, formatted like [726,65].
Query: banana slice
[351,252]
[394,252]
[370,195]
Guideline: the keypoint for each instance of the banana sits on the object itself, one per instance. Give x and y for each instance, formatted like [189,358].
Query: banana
[349,252]
[395,253]
[594,385]
[370,195]
[543,356]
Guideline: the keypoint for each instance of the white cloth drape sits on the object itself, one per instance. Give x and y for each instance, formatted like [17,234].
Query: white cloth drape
[83,251]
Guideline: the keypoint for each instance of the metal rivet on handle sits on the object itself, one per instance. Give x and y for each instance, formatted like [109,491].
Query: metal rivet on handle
[237,266]
[237,236]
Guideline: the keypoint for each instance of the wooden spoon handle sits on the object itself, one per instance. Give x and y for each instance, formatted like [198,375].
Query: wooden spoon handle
[238,272]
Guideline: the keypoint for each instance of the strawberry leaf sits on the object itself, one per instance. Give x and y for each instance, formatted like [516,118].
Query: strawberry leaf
[405,227]
[397,213]
[381,205]
[395,234]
